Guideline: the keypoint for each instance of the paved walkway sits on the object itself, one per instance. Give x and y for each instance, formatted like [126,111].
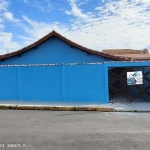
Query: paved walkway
[131,106]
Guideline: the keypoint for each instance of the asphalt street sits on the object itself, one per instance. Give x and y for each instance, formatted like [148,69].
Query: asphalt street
[63,130]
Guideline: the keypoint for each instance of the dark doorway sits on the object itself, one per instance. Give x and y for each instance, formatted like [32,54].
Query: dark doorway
[120,91]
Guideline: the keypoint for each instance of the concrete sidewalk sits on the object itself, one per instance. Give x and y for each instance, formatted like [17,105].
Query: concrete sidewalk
[139,107]
[115,107]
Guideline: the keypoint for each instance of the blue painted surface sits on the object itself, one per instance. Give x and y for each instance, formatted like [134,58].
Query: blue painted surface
[126,64]
[54,50]
[41,83]
[53,84]
[85,83]
[67,84]
[9,83]
[63,84]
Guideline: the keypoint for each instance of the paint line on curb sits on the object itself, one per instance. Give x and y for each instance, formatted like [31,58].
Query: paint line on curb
[67,108]
[55,108]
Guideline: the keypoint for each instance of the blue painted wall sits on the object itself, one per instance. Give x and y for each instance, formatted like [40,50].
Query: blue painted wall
[9,83]
[54,50]
[41,83]
[65,83]
[85,83]
[75,84]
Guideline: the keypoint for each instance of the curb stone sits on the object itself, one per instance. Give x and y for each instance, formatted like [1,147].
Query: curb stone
[55,108]
[68,108]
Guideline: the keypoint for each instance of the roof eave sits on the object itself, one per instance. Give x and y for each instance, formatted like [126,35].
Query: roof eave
[53,33]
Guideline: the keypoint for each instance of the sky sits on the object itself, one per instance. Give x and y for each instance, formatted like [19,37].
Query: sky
[95,24]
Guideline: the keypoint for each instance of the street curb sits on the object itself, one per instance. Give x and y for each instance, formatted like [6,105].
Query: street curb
[56,108]
[134,111]
[67,108]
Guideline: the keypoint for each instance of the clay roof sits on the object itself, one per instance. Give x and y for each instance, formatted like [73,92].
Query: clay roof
[125,51]
[55,34]
[129,54]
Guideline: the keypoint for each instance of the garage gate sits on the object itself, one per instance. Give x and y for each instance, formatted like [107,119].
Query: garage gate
[120,91]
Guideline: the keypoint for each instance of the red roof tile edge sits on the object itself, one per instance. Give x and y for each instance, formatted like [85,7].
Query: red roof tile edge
[54,33]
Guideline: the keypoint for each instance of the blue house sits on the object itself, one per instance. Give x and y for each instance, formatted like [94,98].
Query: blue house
[55,69]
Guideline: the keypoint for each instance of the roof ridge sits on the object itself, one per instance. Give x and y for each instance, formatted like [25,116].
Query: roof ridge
[54,33]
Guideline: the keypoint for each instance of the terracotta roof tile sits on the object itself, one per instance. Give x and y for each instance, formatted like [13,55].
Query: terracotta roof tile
[129,53]
[115,54]
[51,34]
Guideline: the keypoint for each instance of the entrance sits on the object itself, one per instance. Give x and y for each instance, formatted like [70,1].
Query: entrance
[120,91]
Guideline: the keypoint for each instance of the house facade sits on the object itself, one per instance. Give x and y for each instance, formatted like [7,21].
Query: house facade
[55,69]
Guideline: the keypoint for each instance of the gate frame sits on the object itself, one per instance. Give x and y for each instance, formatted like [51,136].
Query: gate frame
[117,64]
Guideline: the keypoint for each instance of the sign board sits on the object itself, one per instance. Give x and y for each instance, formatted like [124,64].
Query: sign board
[134,78]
